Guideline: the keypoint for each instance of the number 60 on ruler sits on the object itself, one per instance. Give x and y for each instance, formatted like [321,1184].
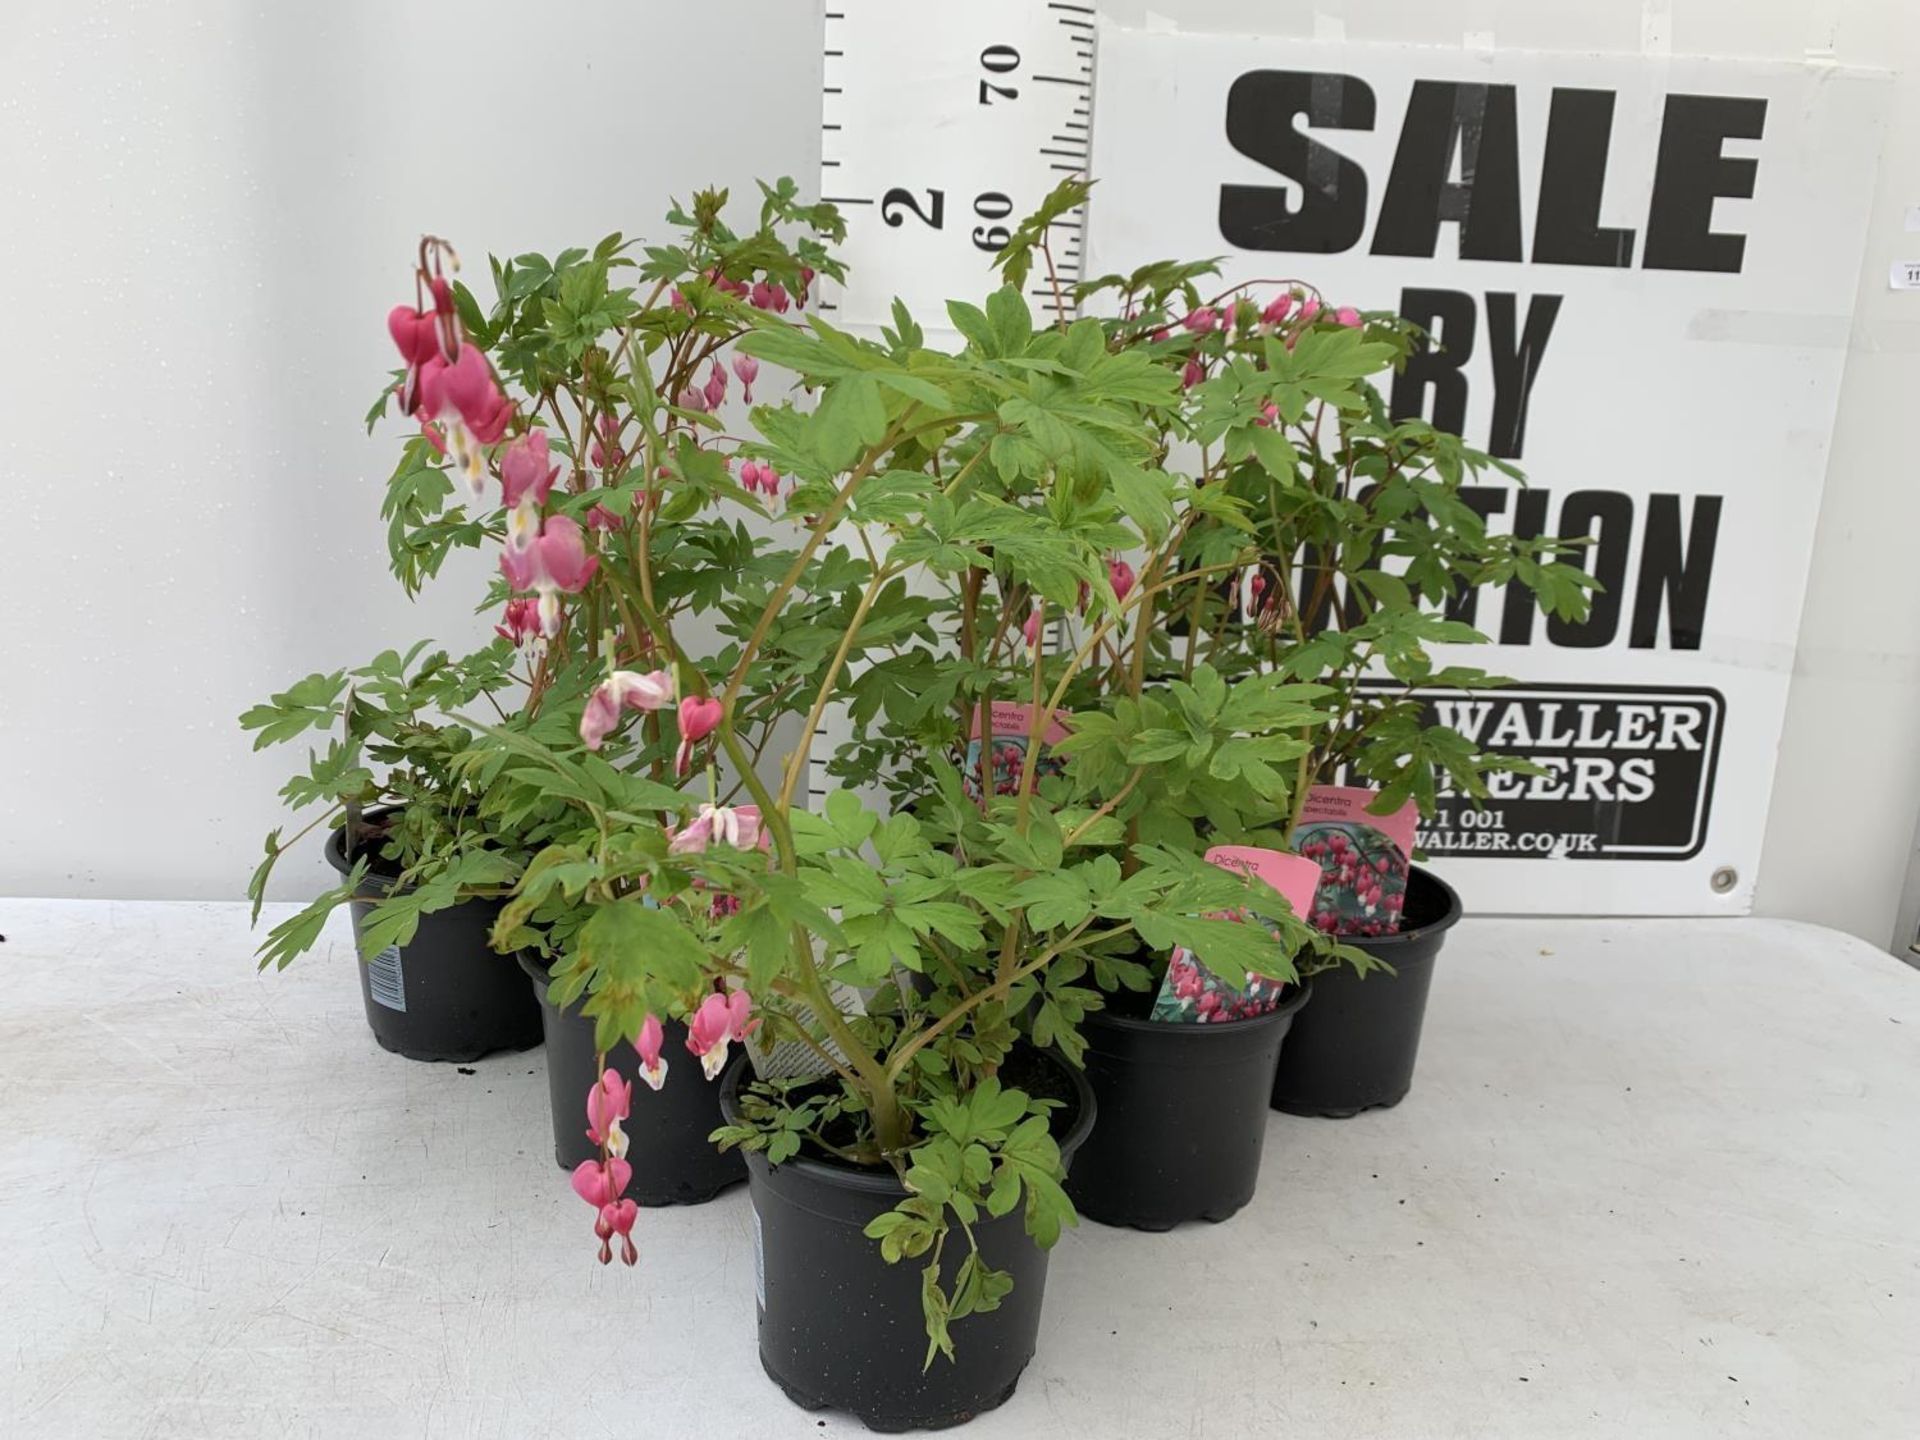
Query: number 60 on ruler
[942,125]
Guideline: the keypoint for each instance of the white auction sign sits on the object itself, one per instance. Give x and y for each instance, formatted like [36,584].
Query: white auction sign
[1640,272]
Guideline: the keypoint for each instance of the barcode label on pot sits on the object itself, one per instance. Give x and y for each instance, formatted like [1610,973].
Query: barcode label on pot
[759,1261]
[386,981]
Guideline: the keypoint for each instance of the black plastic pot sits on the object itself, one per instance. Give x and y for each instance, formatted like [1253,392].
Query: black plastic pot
[842,1329]
[673,1161]
[444,995]
[1355,1050]
[1183,1115]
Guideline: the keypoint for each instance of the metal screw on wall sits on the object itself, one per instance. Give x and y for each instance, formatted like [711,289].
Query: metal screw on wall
[1724,879]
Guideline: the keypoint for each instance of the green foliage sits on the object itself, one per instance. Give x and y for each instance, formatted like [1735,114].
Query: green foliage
[1200,752]
[389,750]
[460,876]
[299,932]
[989,1151]
[1355,523]
[421,531]
[1015,260]
[311,704]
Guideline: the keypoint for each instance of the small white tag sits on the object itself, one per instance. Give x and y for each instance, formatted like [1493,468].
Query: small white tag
[1913,218]
[1905,275]
[759,1261]
[386,981]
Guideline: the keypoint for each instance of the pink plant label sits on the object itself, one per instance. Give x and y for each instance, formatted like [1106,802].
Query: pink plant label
[1008,729]
[1291,875]
[1192,993]
[1362,859]
[1009,719]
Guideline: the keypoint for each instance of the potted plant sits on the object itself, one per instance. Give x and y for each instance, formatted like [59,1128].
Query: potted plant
[1181,1077]
[423,858]
[420,867]
[1366,549]
[620,356]
[541,396]
[903,975]
[1154,748]
[1180,1058]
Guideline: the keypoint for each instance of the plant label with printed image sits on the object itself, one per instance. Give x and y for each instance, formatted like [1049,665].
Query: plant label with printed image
[1003,738]
[1363,859]
[1192,994]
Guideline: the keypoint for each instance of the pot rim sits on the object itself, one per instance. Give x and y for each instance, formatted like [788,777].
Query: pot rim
[1450,917]
[885,1182]
[336,852]
[1302,992]
[532,968]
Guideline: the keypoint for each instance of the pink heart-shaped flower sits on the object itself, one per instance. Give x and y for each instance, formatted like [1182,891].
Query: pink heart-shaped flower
[699,716]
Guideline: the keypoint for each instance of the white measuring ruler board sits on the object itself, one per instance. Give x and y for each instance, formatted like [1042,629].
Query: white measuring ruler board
[944,123]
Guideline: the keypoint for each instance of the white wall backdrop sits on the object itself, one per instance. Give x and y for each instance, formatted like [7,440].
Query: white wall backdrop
[206,210]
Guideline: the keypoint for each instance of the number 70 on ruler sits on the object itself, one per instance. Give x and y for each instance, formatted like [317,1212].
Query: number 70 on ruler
[943,124]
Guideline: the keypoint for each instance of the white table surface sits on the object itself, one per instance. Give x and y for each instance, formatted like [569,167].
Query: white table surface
[1656,1178]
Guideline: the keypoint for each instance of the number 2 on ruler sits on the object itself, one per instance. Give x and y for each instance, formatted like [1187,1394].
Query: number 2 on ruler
[900,198]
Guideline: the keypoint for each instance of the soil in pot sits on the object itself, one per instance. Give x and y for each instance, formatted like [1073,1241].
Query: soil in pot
[1183,1112]
[674,1163]
[444,995]
[842,1329]
[1355,1049]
